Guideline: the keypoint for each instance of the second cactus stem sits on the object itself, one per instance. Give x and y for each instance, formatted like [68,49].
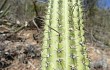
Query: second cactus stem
[63,43]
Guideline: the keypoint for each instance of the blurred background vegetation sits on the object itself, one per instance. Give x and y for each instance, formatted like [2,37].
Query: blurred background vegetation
[98,22]
[23,10]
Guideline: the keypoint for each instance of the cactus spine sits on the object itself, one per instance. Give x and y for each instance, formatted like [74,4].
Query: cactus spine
[63,43]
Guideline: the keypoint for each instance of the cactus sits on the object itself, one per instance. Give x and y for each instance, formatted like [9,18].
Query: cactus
[63,43]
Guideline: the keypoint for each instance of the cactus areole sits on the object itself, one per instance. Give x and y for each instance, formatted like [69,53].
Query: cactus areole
[63,43]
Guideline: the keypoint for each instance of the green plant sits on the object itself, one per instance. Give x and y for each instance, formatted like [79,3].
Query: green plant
[3,9]
[63,43]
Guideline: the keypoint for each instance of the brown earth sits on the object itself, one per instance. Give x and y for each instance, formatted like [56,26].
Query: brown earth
[20,51]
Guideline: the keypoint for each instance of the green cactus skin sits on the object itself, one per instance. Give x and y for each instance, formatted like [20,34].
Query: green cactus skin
[63,43]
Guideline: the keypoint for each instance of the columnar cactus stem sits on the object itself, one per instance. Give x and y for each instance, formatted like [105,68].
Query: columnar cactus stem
[46,38]
[51,60]
[63,44]
[65,35]
[76,21]
[82,39]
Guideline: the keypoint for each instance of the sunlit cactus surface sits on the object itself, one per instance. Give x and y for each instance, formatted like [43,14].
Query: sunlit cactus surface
[63,43]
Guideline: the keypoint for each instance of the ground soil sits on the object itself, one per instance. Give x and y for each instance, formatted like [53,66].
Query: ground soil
[20,51]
